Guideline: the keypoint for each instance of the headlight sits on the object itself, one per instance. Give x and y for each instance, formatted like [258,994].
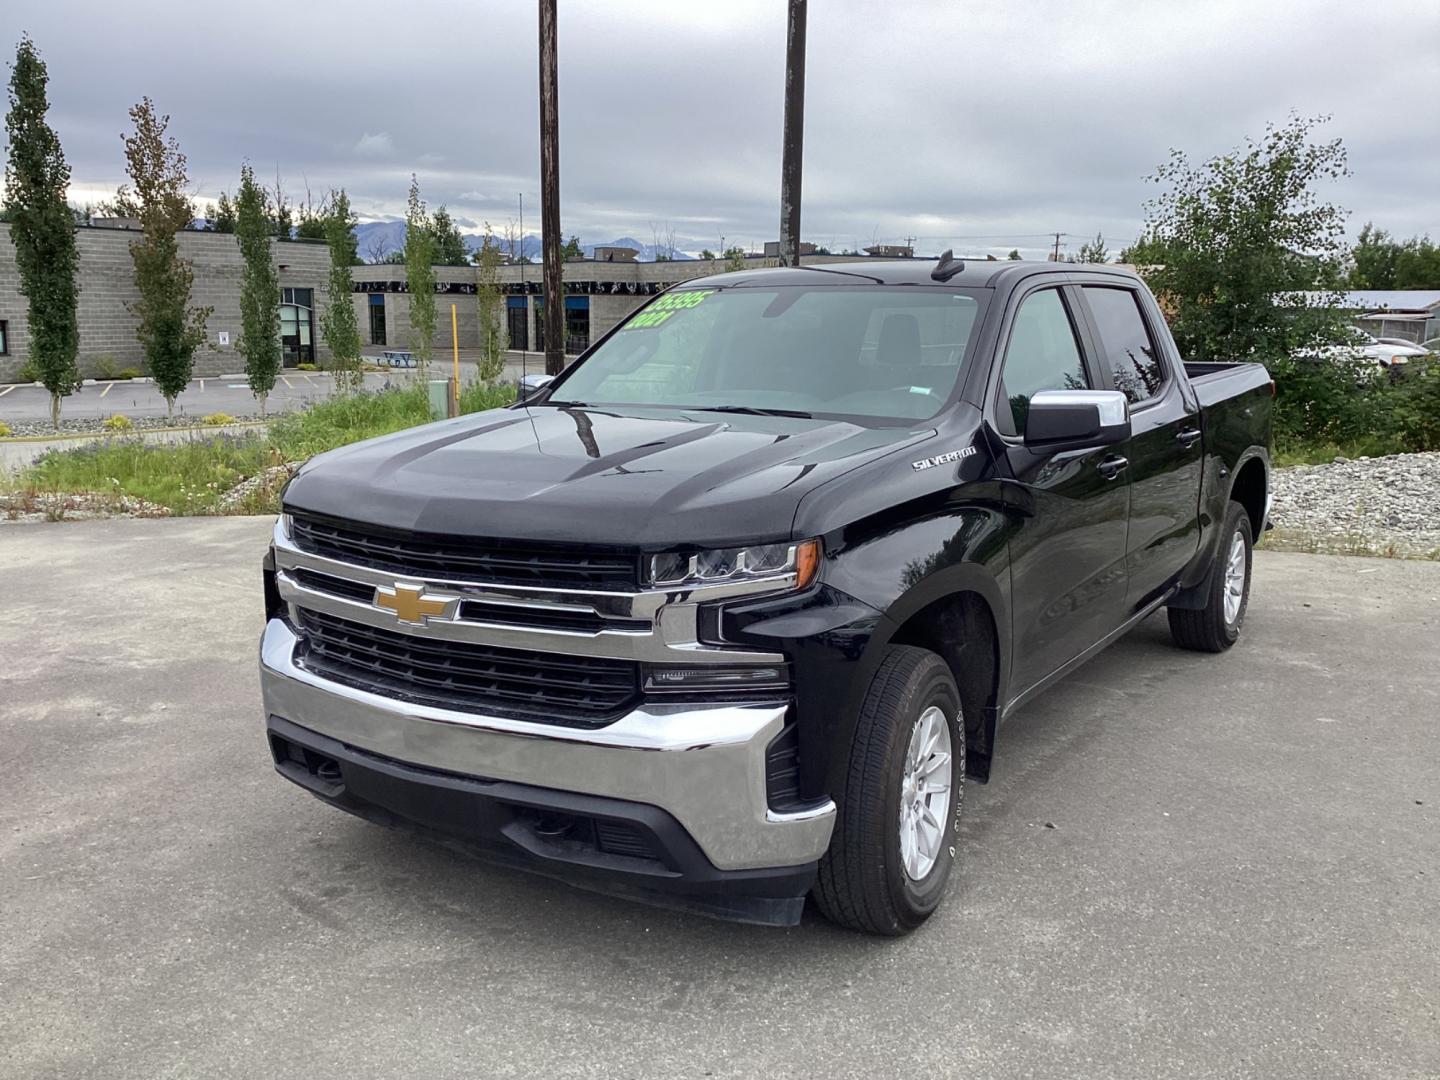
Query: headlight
[723,565]
[287,527]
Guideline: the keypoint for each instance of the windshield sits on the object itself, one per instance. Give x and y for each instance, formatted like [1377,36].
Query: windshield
[890,353]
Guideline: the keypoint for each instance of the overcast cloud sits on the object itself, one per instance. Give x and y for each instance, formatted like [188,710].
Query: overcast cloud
[974,124]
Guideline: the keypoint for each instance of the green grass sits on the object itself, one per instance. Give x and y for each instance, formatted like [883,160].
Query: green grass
[1288,452]
[189,477]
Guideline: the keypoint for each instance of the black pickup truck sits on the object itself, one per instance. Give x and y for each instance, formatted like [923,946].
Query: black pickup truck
[727,613]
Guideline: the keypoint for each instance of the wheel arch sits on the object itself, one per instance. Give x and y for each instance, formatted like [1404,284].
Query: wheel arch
[958,614]
[1251,489]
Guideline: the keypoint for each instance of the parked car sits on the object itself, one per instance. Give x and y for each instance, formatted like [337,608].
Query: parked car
[731,611]
[1363,350]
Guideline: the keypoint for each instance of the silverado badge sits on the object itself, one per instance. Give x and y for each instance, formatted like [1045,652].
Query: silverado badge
[409,603]
[941,459]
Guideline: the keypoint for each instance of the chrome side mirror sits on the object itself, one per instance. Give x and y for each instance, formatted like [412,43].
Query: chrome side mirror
[1075,419]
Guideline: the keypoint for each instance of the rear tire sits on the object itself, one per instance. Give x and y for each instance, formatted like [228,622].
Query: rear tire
[893,846]
[1216,626]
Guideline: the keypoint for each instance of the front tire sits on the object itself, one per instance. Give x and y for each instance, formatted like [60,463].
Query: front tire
[1216,626]
[898,810]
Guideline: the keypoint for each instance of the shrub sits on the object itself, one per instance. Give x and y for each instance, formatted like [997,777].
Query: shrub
[307,367]
[479,396]
[104,367]
[5,429]
[29,372]
[128,373]
[216,419]
[118,422]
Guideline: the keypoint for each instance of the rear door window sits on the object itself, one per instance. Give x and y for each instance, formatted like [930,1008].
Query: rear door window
[1125,343]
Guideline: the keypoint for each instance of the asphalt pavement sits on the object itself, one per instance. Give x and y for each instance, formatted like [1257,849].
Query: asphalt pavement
[28,402]
[1186,866]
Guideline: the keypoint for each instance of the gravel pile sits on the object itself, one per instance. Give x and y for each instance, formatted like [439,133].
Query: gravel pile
[1381,505]
[94,425]
[249,494]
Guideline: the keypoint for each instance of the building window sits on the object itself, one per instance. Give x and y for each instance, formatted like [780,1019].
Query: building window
[4,338]
[577,324]
[377,319]
[517,323]
[297,339]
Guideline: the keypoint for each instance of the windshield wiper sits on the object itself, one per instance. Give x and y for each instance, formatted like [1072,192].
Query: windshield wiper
[560,404]
[752,410]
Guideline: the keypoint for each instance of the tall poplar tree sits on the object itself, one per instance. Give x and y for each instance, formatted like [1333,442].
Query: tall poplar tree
[420,277]
[259,289]
[337,322]
[169,328]
[42,227]
[491,313]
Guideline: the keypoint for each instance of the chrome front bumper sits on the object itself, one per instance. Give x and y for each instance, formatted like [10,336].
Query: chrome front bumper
[703,764]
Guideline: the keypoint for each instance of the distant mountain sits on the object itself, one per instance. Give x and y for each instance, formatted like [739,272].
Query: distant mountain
[378,239]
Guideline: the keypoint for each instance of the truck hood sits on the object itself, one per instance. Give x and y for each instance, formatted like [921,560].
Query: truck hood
[648,477]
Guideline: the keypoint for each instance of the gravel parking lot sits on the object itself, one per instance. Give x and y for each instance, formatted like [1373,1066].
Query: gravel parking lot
[1186,866]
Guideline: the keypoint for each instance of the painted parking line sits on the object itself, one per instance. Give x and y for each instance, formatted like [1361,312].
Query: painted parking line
[202,386]
[287,382]
[8,389]
[108,388]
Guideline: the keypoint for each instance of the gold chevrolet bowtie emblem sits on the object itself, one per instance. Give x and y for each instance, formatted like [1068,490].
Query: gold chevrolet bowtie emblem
[410,604]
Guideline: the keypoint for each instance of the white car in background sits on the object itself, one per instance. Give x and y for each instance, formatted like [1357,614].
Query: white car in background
[1361,349]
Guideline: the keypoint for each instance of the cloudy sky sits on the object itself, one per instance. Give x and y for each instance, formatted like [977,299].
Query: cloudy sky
[981,124]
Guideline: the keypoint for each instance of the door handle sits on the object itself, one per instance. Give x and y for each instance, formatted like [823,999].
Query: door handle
[1112,467]
[1188,438]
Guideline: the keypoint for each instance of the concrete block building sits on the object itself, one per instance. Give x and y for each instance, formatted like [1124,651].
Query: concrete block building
[107,289]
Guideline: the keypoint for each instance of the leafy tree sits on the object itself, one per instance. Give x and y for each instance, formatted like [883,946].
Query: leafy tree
[1227,246]
[1418,265]
[1377,261]
[1230,238]
[282,214]
[420,277]
[734,258]
[169,328]
[311,224]
[1093,253]
[222,219]
[337,322]
[572,249]
[259,289]
[42,229]
[1014,255]
[491,308]
[706,253]
[449,244]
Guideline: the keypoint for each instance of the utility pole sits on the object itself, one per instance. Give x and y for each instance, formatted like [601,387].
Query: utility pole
[794,135]
[550,193]
[1056,257]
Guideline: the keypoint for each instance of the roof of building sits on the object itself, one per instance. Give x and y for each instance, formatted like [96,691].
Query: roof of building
[1384,299]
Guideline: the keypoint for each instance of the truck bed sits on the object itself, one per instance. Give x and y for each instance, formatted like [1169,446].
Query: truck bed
[1214,382]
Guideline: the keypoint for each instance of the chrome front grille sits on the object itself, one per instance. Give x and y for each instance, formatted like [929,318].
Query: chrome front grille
[428,555]
[573,691]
